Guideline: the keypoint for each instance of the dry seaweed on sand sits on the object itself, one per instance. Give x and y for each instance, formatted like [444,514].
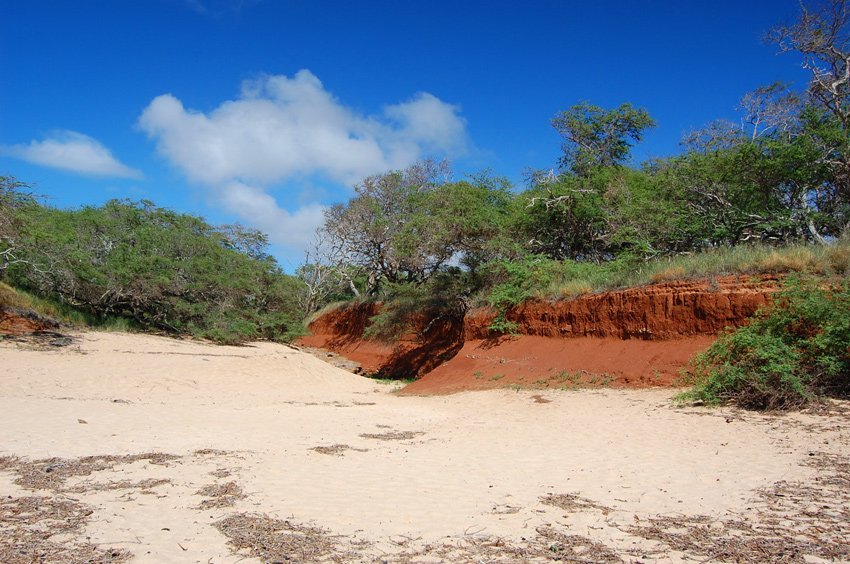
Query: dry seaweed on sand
[571,548]
[336,449]
[9,463]
[276,540]
[547,545]
[795,521]
[28,525]
[51,473]
[142,485]
[572,503]
[220,495]
[211,452]
[392,435]
[727,541]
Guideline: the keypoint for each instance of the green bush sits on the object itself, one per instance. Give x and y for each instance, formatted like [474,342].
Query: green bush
[406,306]
[513,282]
[793,352]
[135,264]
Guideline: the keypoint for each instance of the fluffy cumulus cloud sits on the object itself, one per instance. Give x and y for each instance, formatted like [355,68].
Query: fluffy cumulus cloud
[283,130]
[293,229]
[72,151]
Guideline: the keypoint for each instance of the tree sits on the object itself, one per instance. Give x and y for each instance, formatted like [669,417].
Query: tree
[767,110]
[828,148]
[473,216]
[325,276]
[161,269]
[404,226]
[718,135]
[771,109]
[380,227]
[647,217]
[246,240]
[822,36]
[563,216]
[768,188]
[595,137]
[14,197]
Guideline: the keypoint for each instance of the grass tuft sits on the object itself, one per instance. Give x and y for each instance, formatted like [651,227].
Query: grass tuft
[553,280]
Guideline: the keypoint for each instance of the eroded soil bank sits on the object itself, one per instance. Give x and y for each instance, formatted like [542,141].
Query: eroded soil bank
[17,322]
[636,337]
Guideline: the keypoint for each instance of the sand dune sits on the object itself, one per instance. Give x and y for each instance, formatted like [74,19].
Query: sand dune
[197,450]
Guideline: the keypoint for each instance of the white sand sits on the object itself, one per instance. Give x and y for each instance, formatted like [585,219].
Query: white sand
[478,469]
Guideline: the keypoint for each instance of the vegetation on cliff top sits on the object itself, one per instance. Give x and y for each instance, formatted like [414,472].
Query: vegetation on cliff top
[779,178]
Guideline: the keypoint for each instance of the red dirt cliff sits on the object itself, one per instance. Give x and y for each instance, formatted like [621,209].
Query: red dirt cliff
[658,311]
[635,337]
[14,321]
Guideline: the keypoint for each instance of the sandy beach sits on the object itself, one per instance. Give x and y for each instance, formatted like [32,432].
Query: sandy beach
[122,446]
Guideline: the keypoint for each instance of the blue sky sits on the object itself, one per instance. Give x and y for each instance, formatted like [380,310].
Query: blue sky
[265,111]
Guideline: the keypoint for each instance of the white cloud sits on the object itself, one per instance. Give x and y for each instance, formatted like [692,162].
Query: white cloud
[255,206]
[288,130]
[72,151]
[430,123]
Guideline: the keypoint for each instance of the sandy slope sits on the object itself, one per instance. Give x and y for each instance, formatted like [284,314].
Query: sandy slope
[439,478]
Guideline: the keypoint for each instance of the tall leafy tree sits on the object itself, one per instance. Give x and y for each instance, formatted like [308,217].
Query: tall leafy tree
[595,137]
[822,36]
[564,216]
[14,197]
[405,226]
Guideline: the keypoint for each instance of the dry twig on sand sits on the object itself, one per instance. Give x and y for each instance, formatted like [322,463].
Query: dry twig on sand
[221,495]
[275,540]
[795,521]
[392,435]
[572,503]
[337,449]
[51,473]
[27,525]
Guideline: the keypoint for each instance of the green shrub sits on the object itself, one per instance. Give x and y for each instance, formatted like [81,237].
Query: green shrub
[133,264]
[442,298]
[793,352]
[513,282]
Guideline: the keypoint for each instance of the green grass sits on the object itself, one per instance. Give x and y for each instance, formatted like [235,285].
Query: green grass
[391,381]
[571,279]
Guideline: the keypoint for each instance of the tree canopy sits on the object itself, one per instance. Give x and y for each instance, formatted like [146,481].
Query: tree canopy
[595,137]
[163,270]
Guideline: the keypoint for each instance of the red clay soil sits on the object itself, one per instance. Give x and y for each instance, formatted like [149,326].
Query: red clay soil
[657,311]
[636,337]
[18,322]
[341,331]
[549,362]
